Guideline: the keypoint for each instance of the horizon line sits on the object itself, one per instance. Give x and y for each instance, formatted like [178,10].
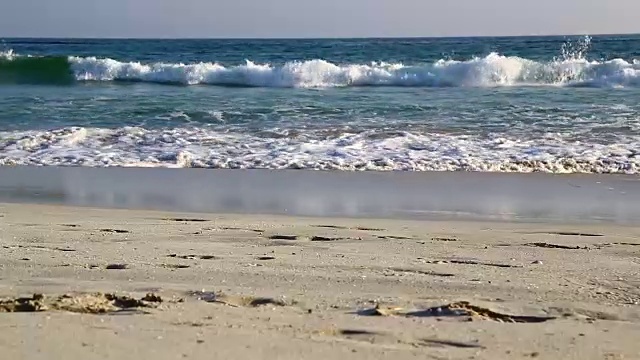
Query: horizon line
[314,38]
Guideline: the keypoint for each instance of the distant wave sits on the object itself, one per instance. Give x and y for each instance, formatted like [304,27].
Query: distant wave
[488,71]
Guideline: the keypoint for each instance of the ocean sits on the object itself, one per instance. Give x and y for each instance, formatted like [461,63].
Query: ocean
[565,104]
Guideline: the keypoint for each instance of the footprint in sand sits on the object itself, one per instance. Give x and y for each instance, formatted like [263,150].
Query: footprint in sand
[186,219]
[97,303]
[283,237]
[556,246]
[460,309]
[194,257]
[115,231]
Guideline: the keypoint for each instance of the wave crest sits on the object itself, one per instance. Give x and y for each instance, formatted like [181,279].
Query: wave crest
[491,70]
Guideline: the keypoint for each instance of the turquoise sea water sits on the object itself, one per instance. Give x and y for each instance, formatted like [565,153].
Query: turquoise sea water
[552,104]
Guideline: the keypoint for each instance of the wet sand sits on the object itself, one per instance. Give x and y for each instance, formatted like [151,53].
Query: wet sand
[127,284]
[397,195]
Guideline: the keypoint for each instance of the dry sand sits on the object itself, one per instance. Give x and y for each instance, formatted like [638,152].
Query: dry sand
[124,284]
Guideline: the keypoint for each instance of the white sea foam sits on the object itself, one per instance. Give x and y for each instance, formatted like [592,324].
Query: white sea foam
[491,70]
[199,147]
[8,54]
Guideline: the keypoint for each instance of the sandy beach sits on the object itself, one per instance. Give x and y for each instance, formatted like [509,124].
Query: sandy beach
[90,283]
[319,180]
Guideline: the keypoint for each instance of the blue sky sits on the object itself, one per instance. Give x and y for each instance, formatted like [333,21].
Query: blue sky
[313,18]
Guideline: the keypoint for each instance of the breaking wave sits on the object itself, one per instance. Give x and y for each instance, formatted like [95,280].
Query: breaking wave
[492,70]
[488,71]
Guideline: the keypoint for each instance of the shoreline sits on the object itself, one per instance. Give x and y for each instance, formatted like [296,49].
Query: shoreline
[195,263]
[581,198]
